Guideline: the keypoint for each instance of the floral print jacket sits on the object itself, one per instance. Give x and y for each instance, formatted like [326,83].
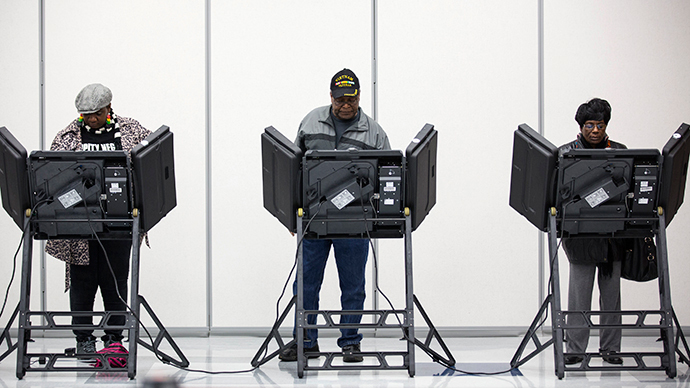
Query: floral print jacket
[69,139]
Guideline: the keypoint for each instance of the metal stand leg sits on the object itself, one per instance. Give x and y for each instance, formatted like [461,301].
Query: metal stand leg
[6,335]
[258,360]
[557,318]
[162,334]
[24,359]
[24,334]
[449,361]
[300,318]
[410,301]
[381,317]
[666,326]
[137,301]
[298,302]
[554,300]
[680,339]
[133,331]
[669,360]
[517,360]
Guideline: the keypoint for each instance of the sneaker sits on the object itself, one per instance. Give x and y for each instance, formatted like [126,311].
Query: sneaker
[290,353]
[86,346]
[110,339]
[351,353]
[108,353]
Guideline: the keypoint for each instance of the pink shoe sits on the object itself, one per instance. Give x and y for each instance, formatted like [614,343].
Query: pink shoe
[109,353]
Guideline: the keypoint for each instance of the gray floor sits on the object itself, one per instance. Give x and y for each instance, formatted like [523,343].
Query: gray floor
[227,353]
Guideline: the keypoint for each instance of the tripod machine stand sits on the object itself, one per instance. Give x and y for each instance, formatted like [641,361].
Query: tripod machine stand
[380,317]
[666,316]
[51,362]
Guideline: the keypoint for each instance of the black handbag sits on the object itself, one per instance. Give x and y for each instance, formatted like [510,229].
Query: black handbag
[586,251]
[639,263]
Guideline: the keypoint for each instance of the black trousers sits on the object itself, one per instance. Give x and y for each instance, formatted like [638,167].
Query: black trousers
[87,279]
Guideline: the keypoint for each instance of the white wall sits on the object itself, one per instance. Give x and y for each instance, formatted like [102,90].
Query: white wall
[470,68]
[19,112]
[151,56]
[272,63]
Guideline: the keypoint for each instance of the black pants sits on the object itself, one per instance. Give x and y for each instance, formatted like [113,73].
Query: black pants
[86,279]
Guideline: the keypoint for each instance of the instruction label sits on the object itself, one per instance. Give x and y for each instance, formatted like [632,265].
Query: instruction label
[69,199]
[341,200]
[597,197]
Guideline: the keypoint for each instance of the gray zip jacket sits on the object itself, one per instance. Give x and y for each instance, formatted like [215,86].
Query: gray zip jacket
[317,132]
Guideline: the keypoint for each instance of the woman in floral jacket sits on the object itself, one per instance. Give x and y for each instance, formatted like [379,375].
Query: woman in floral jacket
[91,264]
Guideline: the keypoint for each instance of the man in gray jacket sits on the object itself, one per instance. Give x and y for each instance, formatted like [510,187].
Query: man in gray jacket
[343,124]
[339,126]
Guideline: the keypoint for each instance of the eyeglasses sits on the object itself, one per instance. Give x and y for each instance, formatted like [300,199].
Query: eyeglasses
[352,101]
[600,126]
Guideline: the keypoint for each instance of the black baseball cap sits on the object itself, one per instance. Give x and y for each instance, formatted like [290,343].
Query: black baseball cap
[345,83]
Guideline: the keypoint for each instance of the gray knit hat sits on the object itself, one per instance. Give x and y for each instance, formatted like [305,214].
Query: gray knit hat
[92,98]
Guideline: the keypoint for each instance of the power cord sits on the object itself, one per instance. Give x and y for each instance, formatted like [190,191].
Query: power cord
[112,273]
[16,253]
[404,332]
[14,270]
[294,265]
[282,294]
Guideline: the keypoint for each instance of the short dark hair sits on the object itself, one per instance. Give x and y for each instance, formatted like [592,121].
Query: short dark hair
[595,109]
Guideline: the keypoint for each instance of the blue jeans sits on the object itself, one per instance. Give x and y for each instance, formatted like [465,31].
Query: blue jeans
[351,259]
